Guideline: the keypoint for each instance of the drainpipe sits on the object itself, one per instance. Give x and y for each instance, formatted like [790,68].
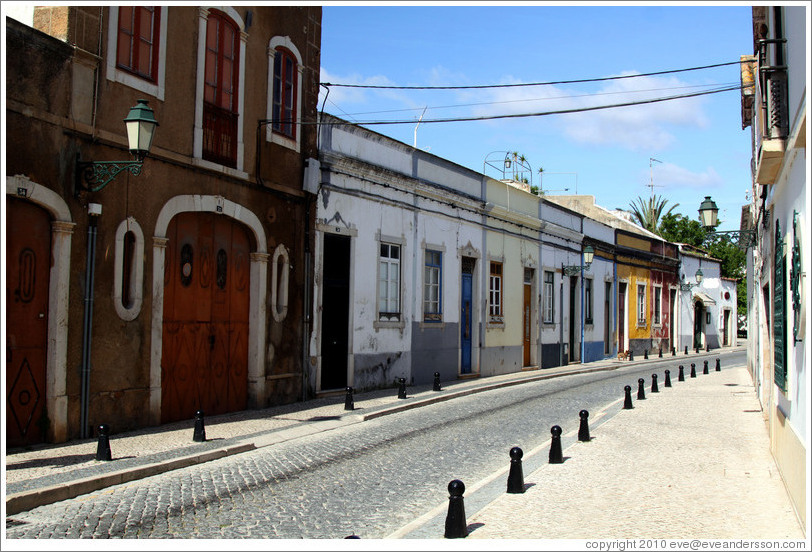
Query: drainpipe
[93,211]
[561,320]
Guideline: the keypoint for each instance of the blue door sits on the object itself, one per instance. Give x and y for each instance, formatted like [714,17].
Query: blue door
[465,325]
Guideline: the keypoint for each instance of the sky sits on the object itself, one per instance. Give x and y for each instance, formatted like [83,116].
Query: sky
[688,148]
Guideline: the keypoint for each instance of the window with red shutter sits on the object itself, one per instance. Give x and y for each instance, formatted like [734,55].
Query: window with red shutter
[137,47]
[220,109]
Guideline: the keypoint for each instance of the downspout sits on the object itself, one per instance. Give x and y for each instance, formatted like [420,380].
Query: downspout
[93,210]
[583,308]
[561,319]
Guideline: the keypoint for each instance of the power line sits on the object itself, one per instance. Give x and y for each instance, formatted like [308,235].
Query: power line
[545,113]
[549,98]
[394,87]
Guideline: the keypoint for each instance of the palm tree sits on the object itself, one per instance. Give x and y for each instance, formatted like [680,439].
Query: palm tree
[649,212]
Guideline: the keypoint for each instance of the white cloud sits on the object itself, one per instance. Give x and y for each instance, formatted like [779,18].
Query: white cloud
[648,127]
[676,177]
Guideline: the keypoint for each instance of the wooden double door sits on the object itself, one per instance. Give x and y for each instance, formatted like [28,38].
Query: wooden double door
[204,364]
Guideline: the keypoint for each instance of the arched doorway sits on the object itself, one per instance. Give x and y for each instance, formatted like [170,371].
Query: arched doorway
[204,363]
[28,262]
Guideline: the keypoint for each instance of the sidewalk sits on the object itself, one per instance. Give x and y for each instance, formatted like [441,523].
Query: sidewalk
[49,473]
[688,462]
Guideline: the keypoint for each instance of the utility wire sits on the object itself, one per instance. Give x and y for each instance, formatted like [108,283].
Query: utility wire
[549,98]
[394,87]
[544,113]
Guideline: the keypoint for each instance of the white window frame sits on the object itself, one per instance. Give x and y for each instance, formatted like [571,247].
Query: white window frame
[432,314]
[657,310]
[496,291]
[589,297]
[641,306]
[388,315]
[280,277]
[197,155]
[270,135]
[548,299]
[136,271]
[113,73]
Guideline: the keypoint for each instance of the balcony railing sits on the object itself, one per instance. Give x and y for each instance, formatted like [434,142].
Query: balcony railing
[772,122]
[219,135]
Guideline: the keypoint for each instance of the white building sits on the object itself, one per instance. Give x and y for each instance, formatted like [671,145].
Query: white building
[398,264]
[774,106]
[707,316]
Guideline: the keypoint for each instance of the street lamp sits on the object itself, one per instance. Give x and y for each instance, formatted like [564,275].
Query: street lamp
[686,286]
[92,176]
[589,254]
[708,212]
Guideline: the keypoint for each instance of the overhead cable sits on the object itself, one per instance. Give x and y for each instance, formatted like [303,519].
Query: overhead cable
[515,85]
[545,113]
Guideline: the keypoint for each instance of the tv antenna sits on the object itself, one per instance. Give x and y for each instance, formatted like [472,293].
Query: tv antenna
[651,175]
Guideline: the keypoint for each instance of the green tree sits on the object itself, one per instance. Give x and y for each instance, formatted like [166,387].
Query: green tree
[679,229]
[648,212]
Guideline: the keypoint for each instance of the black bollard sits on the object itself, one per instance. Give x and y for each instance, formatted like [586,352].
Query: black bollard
[353,537]
[455,525]
[693,370]
[631,355]
[668,378]
[661,352]
[707,347]
[686,349]
[103,448]
[696,351]
[556,454]
[627,403]
[718,367]
[200,430]
[705,368]
[515,483]
[654,388]
[401,388]
[645,354]
[641,393]
[583,430]
[349,403]
[437,382]
[673,351]
[681,376]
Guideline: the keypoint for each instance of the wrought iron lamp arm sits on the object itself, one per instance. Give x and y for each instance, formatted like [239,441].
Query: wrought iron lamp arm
[94,175]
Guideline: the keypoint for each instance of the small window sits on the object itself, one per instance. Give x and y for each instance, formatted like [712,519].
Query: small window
[588,300]
[432,286]
[389,283]
[547,307]
[285,72]
[641,305]
[280,276]
[657,315]
[128,272]
[495,293]
[137,45]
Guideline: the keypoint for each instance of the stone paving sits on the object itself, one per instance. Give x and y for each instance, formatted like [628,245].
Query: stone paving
[688,462]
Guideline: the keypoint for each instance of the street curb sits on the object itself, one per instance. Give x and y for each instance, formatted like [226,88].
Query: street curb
[27,500]
[490,387]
